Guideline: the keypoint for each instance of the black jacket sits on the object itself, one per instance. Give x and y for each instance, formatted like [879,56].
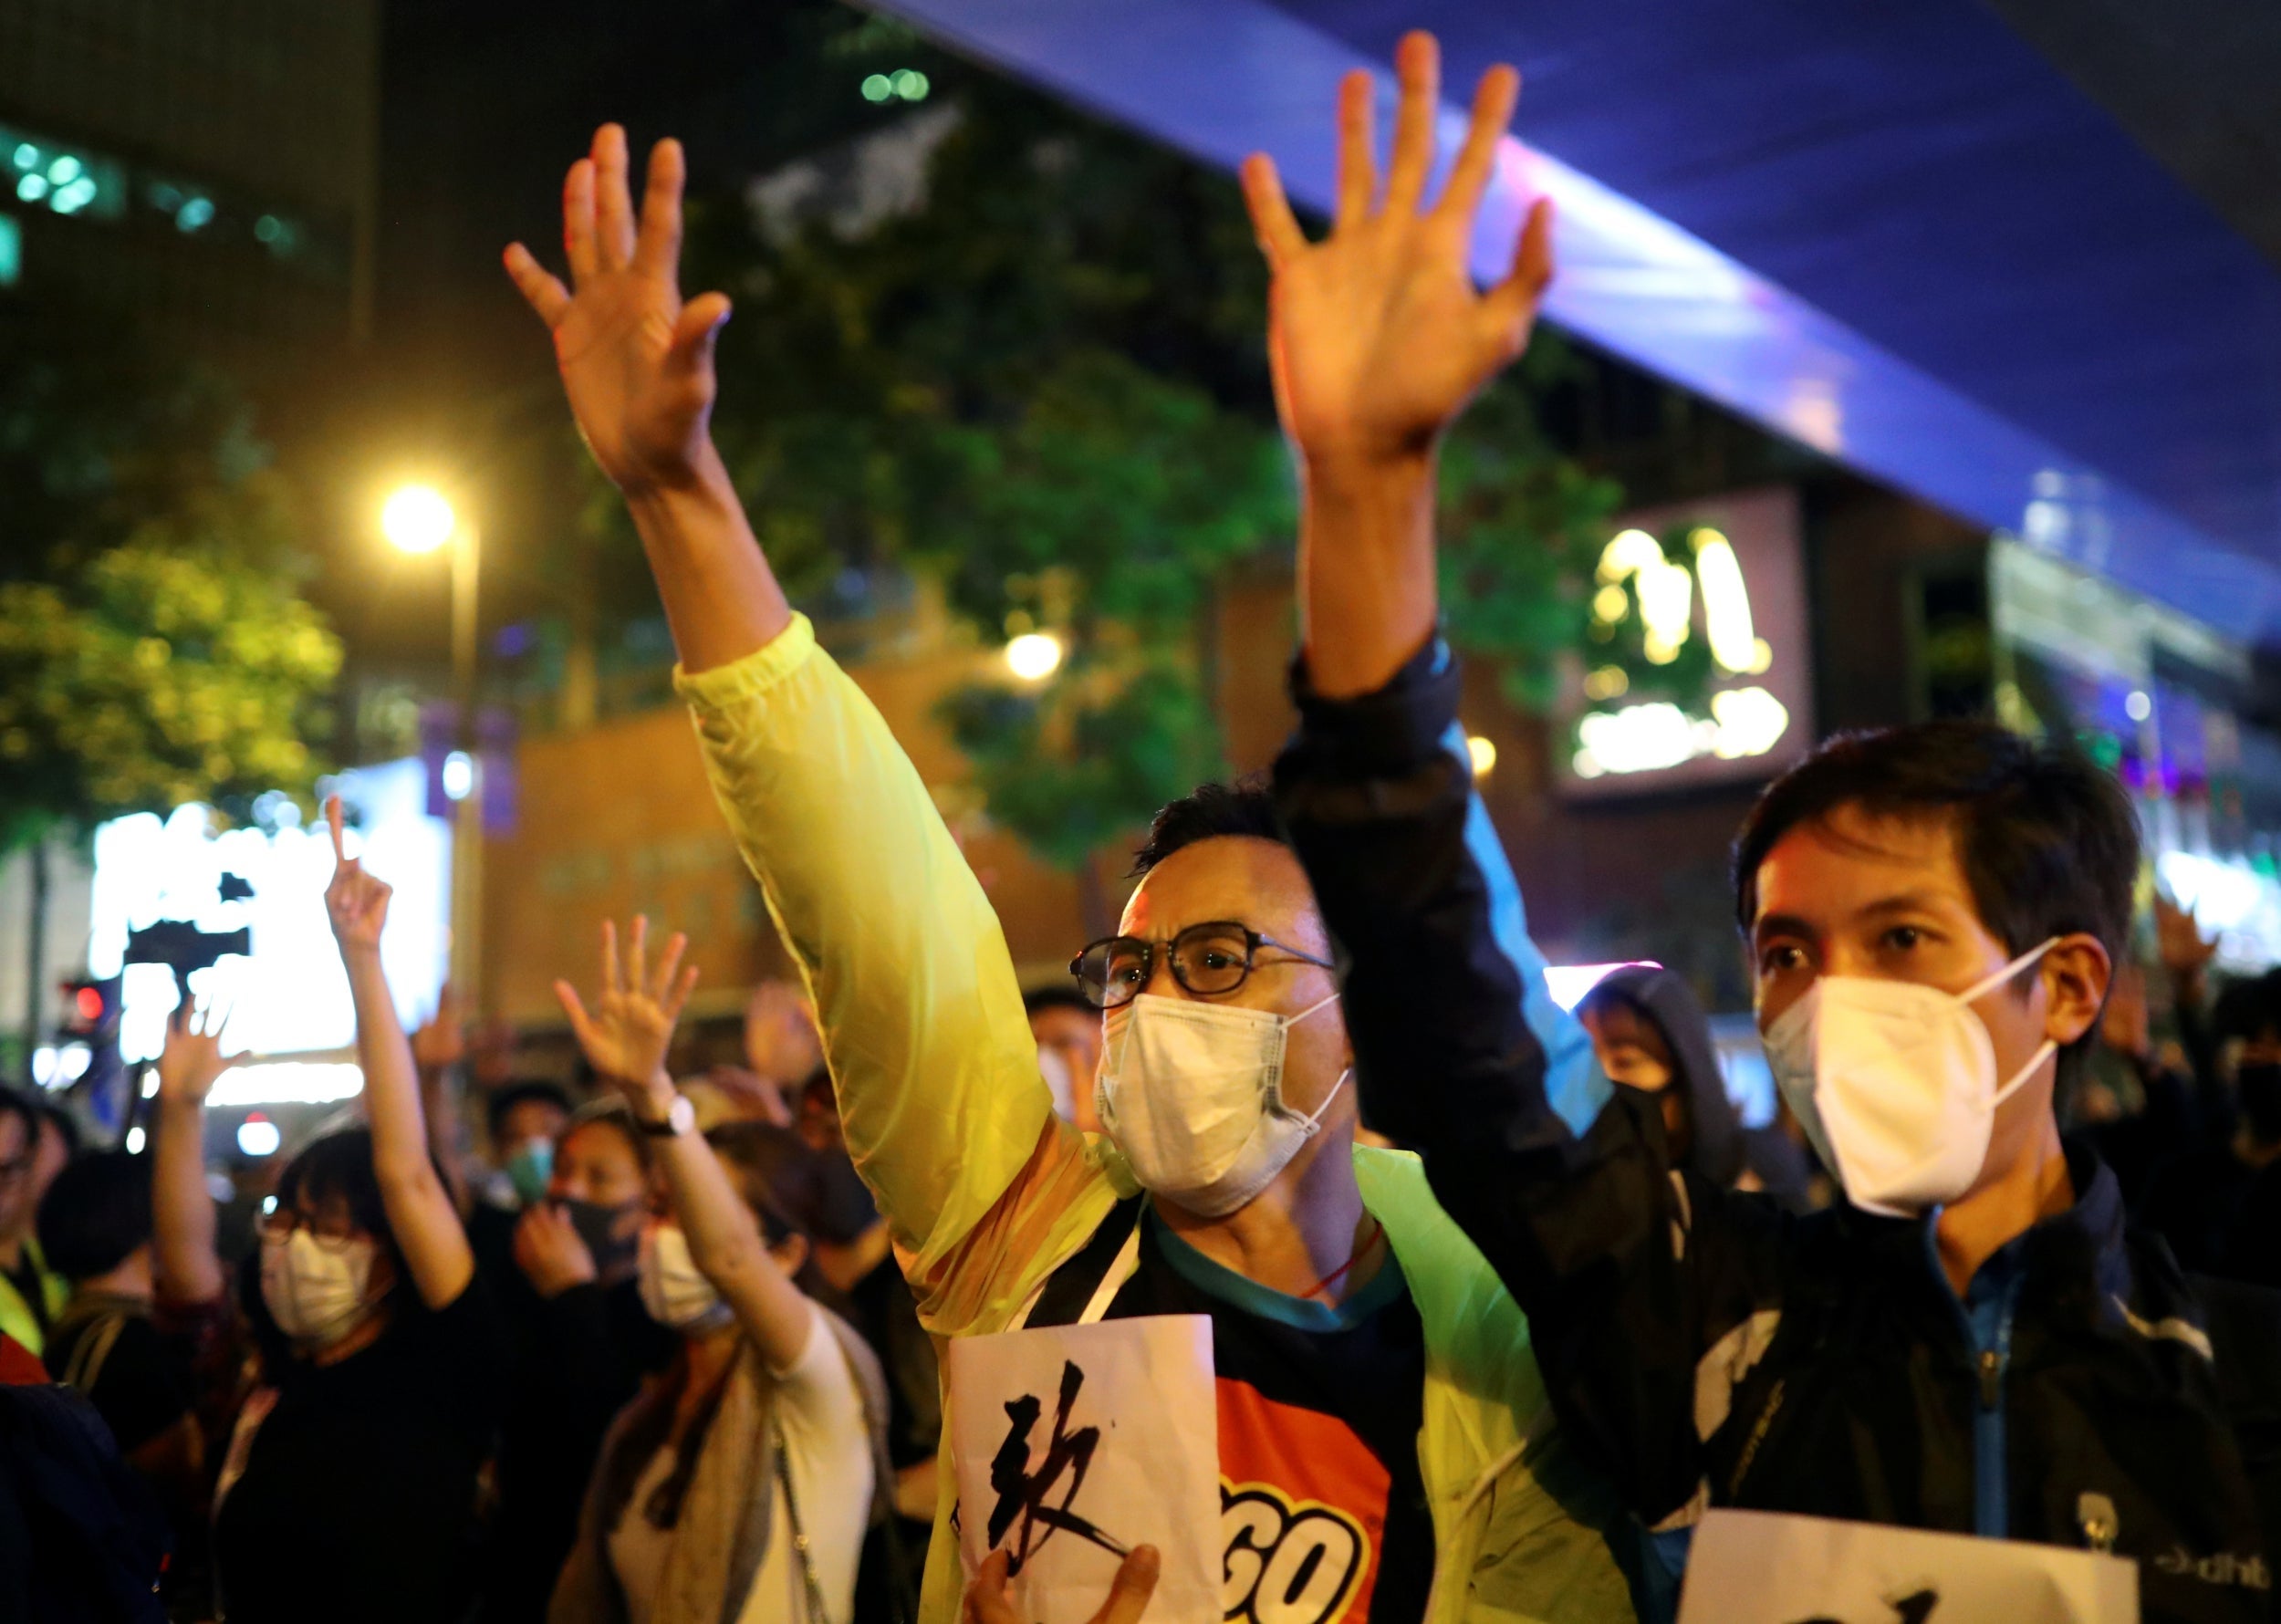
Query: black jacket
[1720,1352]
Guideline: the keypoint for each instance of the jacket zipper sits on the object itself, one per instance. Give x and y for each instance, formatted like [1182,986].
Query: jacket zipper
[1992,1510]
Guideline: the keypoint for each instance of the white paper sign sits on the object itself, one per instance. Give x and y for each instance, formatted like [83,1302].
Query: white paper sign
[1076,1444]
[1766,1567]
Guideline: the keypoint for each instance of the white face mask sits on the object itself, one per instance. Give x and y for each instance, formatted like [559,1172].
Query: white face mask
[315,1289]
[674,1289]
[1193,1094]
[1895,1084]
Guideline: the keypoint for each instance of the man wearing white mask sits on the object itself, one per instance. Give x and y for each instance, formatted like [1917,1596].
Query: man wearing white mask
[1382,1430]
[1974,1341]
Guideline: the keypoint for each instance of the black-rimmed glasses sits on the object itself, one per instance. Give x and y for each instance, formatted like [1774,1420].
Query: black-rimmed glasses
[1217,956]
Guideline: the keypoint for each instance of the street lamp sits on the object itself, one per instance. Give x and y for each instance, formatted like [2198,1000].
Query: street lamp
[419,519]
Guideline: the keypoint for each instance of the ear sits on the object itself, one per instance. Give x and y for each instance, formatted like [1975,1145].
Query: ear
[791,1254]
[2076,976]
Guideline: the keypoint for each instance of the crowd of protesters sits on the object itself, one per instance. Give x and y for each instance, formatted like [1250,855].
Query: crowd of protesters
[1516,1293]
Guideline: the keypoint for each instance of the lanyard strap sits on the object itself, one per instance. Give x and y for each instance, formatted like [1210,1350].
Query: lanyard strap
[1127,1264]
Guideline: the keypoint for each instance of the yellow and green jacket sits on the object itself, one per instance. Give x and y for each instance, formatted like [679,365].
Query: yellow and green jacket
[17,1317]
[987,1192]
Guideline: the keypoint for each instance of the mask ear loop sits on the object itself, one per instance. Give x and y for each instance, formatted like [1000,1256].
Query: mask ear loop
[1982,989]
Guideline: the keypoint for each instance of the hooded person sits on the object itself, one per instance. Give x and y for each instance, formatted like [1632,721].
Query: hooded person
[1649,1033]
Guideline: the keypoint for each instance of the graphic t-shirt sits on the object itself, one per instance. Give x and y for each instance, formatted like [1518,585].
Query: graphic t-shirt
[1322,1507]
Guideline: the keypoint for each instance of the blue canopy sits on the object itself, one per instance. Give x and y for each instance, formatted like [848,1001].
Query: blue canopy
[1891,229]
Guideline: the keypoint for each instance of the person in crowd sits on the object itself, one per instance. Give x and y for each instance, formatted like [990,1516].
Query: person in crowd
[1649,1033]
[1973,1341]
[522,1120]
[525,1120]
[2198,1196]
[349,1490]
[739,1485]
[31,1293]
[855,1258]
[582,1342]
[1351,1320]
[149,1310]
[82,1539]
[1068,1033]
[59,1142]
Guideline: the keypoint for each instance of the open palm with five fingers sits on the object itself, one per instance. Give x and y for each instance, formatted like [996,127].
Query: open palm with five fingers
[356,902]
[630,1029]
[636,361]
[193,1059]
[1378,335]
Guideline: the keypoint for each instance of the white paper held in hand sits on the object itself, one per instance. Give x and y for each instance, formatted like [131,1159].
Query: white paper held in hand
[1077,1444]
[1769,1567]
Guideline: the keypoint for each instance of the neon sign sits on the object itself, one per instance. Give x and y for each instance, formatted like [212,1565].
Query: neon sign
[1689,679]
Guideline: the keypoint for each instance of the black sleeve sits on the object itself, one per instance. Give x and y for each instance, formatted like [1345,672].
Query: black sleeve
[463,1353]
[1628,1272]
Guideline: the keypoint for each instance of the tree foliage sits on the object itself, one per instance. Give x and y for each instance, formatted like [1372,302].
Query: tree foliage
[1043,386]
[153,645]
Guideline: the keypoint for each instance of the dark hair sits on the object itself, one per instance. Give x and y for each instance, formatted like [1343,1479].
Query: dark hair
[2047,840]
[97,1213]
[771,1168]
[1063,998]
[528,1091]
[15,1103]
[617,1115]
[341,1164]
[1210,812]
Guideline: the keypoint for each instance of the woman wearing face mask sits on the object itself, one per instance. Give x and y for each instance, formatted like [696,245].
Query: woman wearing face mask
[738,1486]
[582,1343]
[349,1488]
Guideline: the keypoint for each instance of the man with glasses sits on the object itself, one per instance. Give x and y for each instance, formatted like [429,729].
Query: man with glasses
[31,1293]
[1385,1453]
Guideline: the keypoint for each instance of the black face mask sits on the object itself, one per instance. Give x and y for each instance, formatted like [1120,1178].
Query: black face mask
[613,1234]
[2259,1087]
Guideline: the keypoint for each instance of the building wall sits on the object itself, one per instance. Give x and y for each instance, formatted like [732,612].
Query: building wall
[268,109]
[619,819]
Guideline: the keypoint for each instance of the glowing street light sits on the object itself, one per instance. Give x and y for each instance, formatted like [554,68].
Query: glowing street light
[1482,753]
[1034,656]
[417,519]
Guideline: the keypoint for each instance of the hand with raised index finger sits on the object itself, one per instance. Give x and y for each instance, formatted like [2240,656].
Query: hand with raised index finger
[1377,336]
[636,361]
[628,1031]
[355,902]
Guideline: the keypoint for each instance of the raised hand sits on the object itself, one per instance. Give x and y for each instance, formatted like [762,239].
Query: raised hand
[2185,952]
[193,1059]
[550,1252]
[354,901]
[443,1042]
[636,361]
[1377,333]
[630,1027]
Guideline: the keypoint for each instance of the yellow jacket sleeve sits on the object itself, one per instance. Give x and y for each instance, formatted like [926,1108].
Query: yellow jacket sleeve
[922,1023]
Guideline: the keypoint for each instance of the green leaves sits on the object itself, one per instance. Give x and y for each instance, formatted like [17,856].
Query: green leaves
[150,677]
[153,645]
